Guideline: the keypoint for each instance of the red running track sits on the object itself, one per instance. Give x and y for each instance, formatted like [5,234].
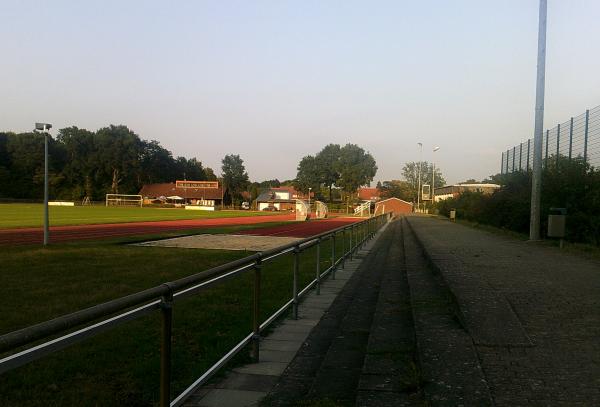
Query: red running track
[301,229]
[102,231]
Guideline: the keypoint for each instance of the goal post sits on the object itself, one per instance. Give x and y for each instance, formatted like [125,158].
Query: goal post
[124,200]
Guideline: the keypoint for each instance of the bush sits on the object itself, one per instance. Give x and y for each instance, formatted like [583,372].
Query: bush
[570,184]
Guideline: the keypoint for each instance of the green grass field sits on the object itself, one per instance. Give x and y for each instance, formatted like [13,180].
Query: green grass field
[31,215]
[120,367]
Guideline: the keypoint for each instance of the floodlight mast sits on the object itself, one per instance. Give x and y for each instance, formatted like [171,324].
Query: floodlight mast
[433,179]
[536,183]
[45,128]
[419,176]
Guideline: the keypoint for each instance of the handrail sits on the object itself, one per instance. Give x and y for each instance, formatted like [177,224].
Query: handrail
[160,297]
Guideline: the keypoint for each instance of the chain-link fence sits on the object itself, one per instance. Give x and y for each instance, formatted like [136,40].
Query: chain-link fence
[577,137]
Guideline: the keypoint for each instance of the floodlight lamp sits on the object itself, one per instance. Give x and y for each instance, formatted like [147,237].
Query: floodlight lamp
[43,126]
[435,149]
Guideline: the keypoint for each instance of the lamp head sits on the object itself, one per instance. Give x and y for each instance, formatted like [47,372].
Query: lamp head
[435,149]
[43,126]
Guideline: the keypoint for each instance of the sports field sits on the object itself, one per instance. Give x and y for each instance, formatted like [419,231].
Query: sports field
[31,215]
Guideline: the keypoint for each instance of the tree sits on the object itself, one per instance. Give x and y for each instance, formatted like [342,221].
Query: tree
[308,174]
[235,177]
[327,163]
[157,164]
[210,174]
[356,168]
[410,172]
[396,189]
[116,159]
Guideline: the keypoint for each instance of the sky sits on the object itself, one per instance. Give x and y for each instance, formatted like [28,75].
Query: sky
[274,81]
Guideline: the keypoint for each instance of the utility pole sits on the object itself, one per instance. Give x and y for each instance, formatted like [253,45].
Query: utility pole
[536,184]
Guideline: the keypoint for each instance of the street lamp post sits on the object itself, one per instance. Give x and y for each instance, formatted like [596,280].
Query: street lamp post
[433,178]
[309,189]
[419,175]
[45,128]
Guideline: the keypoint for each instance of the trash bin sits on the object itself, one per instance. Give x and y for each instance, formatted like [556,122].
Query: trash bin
[556,222]
[453,214]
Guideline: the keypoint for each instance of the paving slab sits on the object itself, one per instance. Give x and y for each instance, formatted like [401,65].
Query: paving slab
[230,398]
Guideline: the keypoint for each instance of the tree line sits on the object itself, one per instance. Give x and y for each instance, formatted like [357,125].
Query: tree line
[84,163]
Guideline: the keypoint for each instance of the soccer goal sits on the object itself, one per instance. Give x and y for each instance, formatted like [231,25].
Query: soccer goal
[302,210]
[321,210]
[123,200]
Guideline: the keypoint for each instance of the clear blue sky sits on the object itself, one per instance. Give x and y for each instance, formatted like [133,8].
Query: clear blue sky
[276,80]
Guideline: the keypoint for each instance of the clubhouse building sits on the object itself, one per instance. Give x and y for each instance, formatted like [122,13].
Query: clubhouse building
[203,193]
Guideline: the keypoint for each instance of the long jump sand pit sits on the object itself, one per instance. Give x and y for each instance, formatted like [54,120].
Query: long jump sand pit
[223,242]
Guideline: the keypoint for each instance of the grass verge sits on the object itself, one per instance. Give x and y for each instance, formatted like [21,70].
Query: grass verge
[121,366]
[577,249]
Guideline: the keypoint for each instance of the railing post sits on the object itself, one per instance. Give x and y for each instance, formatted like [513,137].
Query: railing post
[295,282]
[351,233]
[333,256]
[256,312]
[344,248]
[166,307]
[318,272]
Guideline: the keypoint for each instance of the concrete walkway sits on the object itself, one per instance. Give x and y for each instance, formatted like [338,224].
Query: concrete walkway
[435,314]
[533,312]
[248,385]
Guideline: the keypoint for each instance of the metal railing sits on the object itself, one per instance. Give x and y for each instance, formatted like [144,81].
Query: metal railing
[577,137]
[87,323]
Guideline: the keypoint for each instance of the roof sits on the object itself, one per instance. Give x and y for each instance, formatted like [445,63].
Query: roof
[475,185]
[169,189]
[397,199]
[269,196]
[367,194]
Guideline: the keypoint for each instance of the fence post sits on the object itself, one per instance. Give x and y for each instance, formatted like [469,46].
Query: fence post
[514,154]
[571,139]
[520,156]
[333,256]
[318,272]
[528,151]
[295,282]
[557,145]
[166,307]
[547,137]
[585,143]
[256,312]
